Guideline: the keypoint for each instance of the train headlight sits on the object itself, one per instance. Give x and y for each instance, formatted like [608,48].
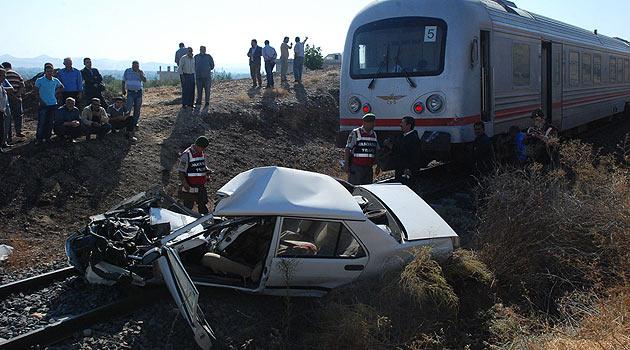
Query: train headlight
[367,108]
[354,104]
[418,108]
[435,103]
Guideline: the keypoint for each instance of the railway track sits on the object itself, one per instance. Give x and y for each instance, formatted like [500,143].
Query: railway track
[64,328]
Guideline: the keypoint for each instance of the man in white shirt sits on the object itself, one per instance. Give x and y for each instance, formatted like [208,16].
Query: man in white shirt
[269,55]
[284,58]
[298,59]
[187,75]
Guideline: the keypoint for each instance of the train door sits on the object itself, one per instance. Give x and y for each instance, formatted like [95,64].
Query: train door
[556,85]
[546,81]
[486,85]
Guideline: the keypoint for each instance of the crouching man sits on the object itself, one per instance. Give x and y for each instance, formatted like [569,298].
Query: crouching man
[194,174]
[120,118]
[67,123]
[95,120]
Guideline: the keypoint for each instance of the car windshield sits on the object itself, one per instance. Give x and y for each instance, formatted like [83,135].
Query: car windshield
[398,47]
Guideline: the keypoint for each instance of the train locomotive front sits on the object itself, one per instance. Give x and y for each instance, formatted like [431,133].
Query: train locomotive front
[414,58]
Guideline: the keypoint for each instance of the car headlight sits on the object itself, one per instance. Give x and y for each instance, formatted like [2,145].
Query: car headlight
[354,104]
[435,103]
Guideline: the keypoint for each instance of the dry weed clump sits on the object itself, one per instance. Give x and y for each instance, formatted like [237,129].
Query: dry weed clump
[546,233]
[414,307]
[242,98]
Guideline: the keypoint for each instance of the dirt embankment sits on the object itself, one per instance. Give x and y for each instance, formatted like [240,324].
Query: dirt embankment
[47,192]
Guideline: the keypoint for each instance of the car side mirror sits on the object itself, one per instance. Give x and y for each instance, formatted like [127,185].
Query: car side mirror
[151,256]
[474,53]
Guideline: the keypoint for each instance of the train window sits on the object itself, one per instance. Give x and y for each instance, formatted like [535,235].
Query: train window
[586,69]
[574,68]
[612,70]
[597,69]
[520,65]
[620,75]
[626,68]
[399,47]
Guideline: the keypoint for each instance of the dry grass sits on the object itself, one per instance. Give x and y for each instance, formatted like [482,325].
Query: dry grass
[242,97]
[547,233]
[414,308]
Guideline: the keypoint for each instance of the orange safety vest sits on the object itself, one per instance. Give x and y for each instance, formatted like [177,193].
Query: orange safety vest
[364,151]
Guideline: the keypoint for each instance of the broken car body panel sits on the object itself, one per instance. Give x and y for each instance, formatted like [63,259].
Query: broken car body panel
[274,231]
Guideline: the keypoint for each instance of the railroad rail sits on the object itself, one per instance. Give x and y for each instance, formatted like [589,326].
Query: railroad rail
[34,282]
[65,328]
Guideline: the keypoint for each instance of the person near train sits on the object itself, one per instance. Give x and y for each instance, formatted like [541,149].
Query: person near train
[541,139]
[482,148]
[405,152]
[193,174]
[517,137]
[360,152]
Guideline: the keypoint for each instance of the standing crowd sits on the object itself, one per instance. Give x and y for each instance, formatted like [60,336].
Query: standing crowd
[269,55]
[71,103]
[405,156]
[194,70]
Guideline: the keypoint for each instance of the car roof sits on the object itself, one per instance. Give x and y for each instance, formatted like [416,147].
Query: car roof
[287,192]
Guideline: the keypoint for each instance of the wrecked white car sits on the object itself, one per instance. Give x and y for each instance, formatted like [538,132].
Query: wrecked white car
[273,231]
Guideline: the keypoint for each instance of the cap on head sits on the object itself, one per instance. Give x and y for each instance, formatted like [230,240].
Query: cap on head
[95,99]
[119,98]
[202,142]
[538,113]
[369,117]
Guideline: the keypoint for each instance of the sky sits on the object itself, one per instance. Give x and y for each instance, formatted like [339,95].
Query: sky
[150,30]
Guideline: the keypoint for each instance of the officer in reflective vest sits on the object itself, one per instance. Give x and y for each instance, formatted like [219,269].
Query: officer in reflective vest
[360,153]
[194,174]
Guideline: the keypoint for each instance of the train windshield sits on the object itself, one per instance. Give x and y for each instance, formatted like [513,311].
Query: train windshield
[398,47]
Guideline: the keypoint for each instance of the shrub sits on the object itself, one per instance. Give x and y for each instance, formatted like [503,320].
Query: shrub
[313,58]
[222,76]
[546,233]
[408,308]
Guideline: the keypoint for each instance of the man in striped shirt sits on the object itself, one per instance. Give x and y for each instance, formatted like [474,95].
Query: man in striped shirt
[15,101]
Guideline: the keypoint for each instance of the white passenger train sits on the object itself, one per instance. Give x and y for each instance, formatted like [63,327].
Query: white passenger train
[451,63]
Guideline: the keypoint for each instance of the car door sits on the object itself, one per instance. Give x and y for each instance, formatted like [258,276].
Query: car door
[186,296]
[314,256]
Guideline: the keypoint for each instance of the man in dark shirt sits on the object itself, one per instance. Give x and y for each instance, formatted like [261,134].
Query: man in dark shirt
[405,152]
[255,54]
[204,64]
[483,152]
[67,124]
[120,118]
[92,82]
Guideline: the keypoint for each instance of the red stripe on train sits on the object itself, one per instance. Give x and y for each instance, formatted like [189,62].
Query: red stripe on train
[419,121]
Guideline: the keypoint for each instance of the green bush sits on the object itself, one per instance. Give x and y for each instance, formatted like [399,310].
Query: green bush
[313,58]
[222,76]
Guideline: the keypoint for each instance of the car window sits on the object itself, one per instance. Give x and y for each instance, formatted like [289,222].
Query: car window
[316,238]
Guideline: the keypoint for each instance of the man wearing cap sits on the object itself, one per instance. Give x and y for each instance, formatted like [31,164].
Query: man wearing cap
[361,151]
[194,174]
[120,118]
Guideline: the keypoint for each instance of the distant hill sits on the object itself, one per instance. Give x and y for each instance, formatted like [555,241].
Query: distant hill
[103,64]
